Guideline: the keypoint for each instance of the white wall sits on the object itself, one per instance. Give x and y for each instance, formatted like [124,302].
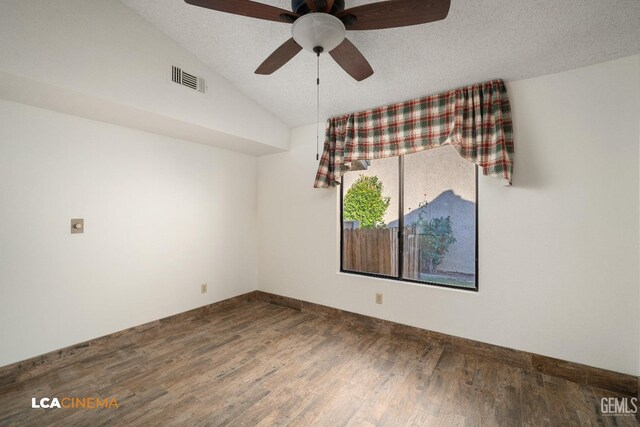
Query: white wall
[559,259]
[102,49]
[162,216]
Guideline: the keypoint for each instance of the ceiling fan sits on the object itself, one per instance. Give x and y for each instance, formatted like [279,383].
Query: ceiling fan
[321,25]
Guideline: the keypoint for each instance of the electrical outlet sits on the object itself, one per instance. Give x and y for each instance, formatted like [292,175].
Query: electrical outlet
[378,298]
[203,288]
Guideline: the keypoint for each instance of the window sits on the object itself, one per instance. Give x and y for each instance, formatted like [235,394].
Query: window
[430,196]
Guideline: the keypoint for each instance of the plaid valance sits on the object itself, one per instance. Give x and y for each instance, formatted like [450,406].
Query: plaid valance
[475,119]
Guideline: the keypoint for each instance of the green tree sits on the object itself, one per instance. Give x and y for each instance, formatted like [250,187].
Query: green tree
[436,235]
[364,202]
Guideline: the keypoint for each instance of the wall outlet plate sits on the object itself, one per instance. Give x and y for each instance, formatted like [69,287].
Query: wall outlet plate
[77,225]
[378,298]
[203,288]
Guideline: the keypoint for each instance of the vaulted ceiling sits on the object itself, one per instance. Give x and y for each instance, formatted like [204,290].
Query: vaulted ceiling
[479,40]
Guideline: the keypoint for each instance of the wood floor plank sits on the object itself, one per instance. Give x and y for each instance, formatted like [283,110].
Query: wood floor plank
[535,410]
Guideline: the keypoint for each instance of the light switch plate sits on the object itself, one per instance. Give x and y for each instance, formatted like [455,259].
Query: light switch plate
[77,225]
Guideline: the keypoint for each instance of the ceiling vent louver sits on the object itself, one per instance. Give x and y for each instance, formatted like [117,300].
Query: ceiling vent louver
[189,80]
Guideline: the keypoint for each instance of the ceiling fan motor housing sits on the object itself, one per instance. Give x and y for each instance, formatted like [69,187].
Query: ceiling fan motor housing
[302,8]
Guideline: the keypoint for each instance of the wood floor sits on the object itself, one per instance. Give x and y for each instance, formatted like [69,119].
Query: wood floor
[262,365]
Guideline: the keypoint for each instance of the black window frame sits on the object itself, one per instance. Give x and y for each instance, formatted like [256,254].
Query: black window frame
[399,277]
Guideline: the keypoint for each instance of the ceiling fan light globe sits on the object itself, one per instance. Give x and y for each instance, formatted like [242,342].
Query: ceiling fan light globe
[318,29]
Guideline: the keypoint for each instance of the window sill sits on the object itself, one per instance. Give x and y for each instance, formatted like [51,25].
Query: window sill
[396,281]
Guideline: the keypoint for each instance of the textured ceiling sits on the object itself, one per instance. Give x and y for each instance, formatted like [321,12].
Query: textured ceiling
[479,40]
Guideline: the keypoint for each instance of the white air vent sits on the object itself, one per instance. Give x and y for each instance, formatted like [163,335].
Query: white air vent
[189,80]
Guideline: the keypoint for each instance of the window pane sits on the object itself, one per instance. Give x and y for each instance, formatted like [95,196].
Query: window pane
[370,201]
[440,218]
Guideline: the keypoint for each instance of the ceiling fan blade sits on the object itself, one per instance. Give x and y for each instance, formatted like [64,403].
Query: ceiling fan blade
[279,57]
[351,60]
[394,13]
[247,8]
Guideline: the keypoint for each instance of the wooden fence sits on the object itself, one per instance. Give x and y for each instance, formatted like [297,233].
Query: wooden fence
[375,250]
